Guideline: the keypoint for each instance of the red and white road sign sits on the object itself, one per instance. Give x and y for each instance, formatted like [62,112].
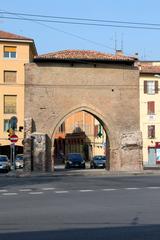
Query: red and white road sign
[14,138]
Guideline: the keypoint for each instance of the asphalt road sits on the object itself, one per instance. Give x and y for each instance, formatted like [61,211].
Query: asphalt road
[77,207]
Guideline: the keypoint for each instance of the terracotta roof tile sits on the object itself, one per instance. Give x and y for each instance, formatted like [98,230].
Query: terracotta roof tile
[83,55]
[149,68]
[7,35]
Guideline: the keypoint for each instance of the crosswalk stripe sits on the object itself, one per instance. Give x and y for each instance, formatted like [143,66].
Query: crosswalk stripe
[48,189]
[9,194]
[25,190]
[61,191]
[86,190]
[35,193]
[3,190]
[108,189]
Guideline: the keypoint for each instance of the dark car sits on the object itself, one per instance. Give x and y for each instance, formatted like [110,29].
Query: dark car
[98,161]
[4,163]
[74,160]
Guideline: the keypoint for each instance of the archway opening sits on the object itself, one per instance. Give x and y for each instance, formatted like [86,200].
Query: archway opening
[85,133]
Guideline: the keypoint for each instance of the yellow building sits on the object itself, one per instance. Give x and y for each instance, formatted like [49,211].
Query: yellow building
[15,51]
[150,111]
[79,133]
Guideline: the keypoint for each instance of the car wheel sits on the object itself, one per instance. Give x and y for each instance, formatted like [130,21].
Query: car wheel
[67,166]
[91,165]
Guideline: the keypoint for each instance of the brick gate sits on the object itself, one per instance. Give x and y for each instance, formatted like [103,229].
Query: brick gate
[60,84]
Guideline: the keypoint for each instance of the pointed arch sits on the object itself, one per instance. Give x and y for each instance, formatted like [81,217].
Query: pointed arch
[106,123]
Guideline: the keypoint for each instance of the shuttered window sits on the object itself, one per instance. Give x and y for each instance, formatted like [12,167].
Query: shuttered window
[10,76]
[9,52]
[156,86]
[95,130]
[150,87]
[151,131]
[10,103]
[151,108]
[145,86]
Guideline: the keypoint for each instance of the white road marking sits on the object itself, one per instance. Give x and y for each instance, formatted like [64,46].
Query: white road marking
[48,189]
[35,193]
[3,190]
[61,191]
[86,190]
[109,189]
[9,194]
[25,190]
[154,187]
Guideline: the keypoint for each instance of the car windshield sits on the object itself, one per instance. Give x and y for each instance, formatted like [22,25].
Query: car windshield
[3,159]
[74,157]
[19,157]
[99,158]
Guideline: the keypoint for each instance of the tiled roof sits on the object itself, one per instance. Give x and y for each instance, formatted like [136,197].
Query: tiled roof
[7,35]
[149,68]
[83,55]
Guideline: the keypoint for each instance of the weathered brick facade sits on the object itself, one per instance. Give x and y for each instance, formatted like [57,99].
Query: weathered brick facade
[57,88]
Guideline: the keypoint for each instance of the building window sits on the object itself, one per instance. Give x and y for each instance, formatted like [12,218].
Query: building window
[151,131]
[9,52]
[6,124]
[10,103]
[62,128]
[150,87]
[151,108]
[95,130]
[10,76]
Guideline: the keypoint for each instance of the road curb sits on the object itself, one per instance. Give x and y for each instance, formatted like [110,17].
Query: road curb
[86,172]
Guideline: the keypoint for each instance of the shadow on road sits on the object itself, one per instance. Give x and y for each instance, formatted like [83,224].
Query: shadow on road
[147,232]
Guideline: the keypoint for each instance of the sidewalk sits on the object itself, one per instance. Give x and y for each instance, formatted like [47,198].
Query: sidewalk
[60,171]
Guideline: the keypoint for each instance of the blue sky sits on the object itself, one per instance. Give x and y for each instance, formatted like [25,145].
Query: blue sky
[54,37]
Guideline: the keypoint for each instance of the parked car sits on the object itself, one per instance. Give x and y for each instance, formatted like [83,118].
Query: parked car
[74,160]
[98,161]
[19,161]
[5,164]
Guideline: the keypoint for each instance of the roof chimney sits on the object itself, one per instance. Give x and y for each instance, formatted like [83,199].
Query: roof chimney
[119,52]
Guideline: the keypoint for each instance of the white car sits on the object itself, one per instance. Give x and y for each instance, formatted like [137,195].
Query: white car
[19,161]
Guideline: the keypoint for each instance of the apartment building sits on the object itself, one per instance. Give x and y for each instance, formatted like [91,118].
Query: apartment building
[150,111]
[15,51]
[81,132]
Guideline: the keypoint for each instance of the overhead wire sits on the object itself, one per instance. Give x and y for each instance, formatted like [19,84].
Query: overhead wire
[60,30]
[82,23]
[81,19]
[43,19]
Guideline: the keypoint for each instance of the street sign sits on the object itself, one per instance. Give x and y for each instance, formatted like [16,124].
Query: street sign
[14,138]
